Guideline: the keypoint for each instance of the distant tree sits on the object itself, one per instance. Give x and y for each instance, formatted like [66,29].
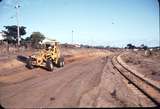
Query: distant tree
[27,39]
[11,33]
[107,46]
[130,46]
[26,42]
[35,38]
[143,47]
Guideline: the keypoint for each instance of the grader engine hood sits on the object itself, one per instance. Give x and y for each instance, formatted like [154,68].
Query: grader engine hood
[34,55]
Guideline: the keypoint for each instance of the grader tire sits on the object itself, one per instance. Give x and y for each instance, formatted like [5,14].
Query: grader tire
[49,65]
[29,63]
[61,62]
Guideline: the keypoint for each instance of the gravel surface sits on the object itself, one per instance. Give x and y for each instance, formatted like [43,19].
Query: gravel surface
[148,66]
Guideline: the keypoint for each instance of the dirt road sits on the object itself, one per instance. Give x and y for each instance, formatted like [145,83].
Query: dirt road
[85,81]
[61,88]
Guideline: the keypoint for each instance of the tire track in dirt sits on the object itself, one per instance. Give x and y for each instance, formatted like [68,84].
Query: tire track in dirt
[97,84]
[111,92]
[36,82]
[77,81]
[19,70]
[37,87]
[39,82]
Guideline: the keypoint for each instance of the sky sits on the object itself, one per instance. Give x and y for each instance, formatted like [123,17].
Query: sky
[94,22]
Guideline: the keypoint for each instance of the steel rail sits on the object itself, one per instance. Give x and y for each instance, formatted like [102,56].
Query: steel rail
[155,101]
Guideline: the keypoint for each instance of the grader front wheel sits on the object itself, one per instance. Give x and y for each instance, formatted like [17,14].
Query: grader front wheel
[29,63]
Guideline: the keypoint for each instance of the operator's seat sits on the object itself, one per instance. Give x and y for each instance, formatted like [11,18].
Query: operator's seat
[47,47]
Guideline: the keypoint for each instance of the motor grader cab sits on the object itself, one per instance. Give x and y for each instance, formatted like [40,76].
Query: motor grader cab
[48,57]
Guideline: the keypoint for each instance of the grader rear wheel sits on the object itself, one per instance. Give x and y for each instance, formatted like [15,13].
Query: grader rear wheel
[49,65]
[60,62]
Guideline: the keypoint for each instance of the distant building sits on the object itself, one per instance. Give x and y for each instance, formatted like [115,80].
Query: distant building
[1,36]
[48,41]
[77,45]
[71,45]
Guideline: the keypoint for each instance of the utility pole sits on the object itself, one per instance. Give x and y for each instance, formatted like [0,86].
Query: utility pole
[159,42]
[72,36]
[17,17]
[159,35]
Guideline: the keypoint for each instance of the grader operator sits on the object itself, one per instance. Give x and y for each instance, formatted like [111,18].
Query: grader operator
[48,58]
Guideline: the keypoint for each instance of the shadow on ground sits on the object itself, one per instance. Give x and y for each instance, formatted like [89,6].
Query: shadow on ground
[22,58]
[1,107]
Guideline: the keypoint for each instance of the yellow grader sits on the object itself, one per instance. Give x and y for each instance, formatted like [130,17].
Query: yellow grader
[47,58]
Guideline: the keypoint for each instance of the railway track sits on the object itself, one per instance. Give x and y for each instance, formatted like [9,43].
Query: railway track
[145,87]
